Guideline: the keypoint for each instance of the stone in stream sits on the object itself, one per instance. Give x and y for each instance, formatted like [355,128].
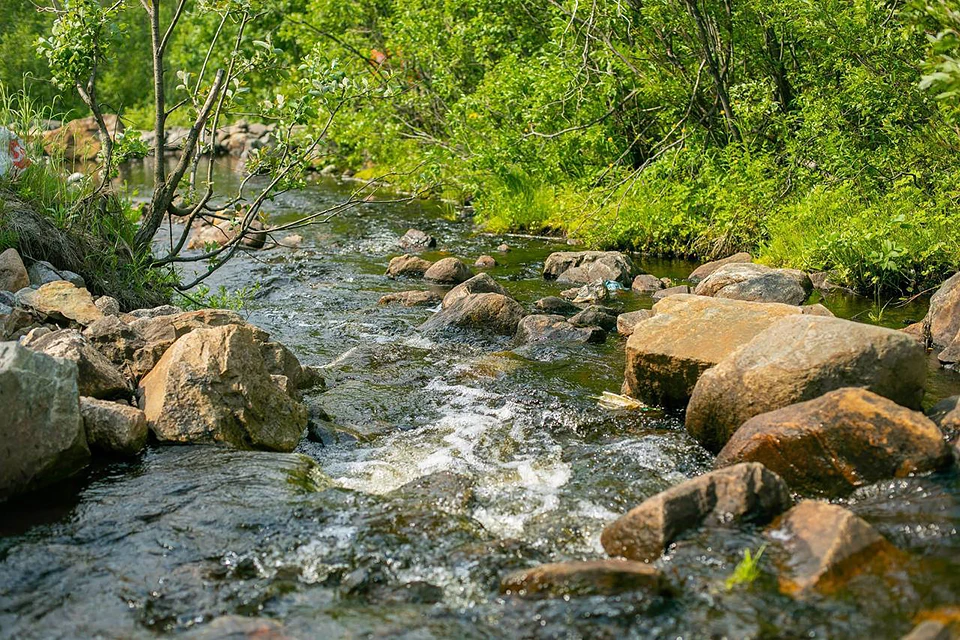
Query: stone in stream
[239,628]
[799,358]
[213,386]
[670,291]
[826,546]
[97,376]
[417,240]
[586,578]
[407,266]
[13,275]
[627,321]
[412,298]
[491,313]
[708,268]
[555,305]
[485,262]
[592,293]
[63,301]
[584,267]
[946,415]
[745,493]
[481,283]
[840,441]
[647,284]
[40,425]
[555,328]
[113,428]
[687,335]
[448,271]
[756,283]
[595,316]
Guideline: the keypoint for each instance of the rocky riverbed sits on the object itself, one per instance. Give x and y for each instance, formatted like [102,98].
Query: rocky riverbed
[460,478]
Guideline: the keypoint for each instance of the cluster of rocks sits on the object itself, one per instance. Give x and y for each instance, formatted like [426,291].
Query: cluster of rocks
[79,376]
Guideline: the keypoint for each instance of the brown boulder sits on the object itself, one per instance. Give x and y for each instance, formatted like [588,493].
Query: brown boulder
[646,284]
[800,358]
[411,298]
[687,335]
[670,291]
[745,493]
[407,266]
[589,578]
[79,140]
[112,427]
[627,321]
[584,267]
[826,546]
[555,328]
[213,386]
[483,312]
[485,262]
[838,442]
[448,271]
[97,377]
[708,268]
[943,318]
[13,274]
[481,283]
[756,283]
[64,301]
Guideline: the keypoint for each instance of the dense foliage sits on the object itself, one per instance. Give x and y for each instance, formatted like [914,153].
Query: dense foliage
[820,135]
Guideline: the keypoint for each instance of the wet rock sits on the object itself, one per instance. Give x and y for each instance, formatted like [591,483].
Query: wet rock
[584,267]
[756,283]
[481,283]
[417,240]
[444,489]
[555,305]
[407,266]
[113,428]
[946,415]
[212,386]
[670,291]
[687,335]
[63,301]
[646,284]
[826,544]
[240,628]
[800,358]
[709,268]
[593,293]
[109,306]
[42,272]
[555,328]
[595,316]
[412,298]
[448,271]
[943,318]
[503,248]
[744,493]
[627,321]
[482,312]
[97,377]
[40,425]
[588,578]
[838,442]
[485,262]
[13,275]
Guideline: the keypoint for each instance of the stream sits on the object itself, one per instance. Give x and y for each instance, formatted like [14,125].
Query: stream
[445,466]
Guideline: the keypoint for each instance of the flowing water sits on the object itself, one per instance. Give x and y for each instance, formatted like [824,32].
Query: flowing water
[445,466]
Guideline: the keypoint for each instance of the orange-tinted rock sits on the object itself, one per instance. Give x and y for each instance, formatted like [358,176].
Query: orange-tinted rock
[65,301]
[595,577]
[408,266]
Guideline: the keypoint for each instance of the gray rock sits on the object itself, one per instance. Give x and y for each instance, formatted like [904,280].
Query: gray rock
[42,272]
[156,312]
[417,240]
[481,283]
[13,275]
[592,293]
[109,306]
[708,268]
[40,425]
[491,313]
[647,284]
[745,493]
[585,578]
[555,328]
[946,415]
[412,298]
[756,283]
[555,305]
[448,271]
[670,291]
[97,377]
[113,428]
[627,321]
[595,316]
[584,267]
[943,318]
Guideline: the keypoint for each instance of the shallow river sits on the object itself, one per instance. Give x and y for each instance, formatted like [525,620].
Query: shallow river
[446,466]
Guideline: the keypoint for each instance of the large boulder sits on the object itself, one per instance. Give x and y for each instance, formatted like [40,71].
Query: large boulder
[584,267]
[481,283]
[708,268]
[407,266]
[943,318]
[800,358]
[555,328]
[13,274]
[63,301]
[838,442]
[826,545]
[587,578]
[744,493]
[41,432]
[113,428]
[687,335]
[213,385]
[448,271]
[97,377]
[756,283]
[492,313]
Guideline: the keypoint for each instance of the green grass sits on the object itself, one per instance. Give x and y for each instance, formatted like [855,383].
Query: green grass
[747,570]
